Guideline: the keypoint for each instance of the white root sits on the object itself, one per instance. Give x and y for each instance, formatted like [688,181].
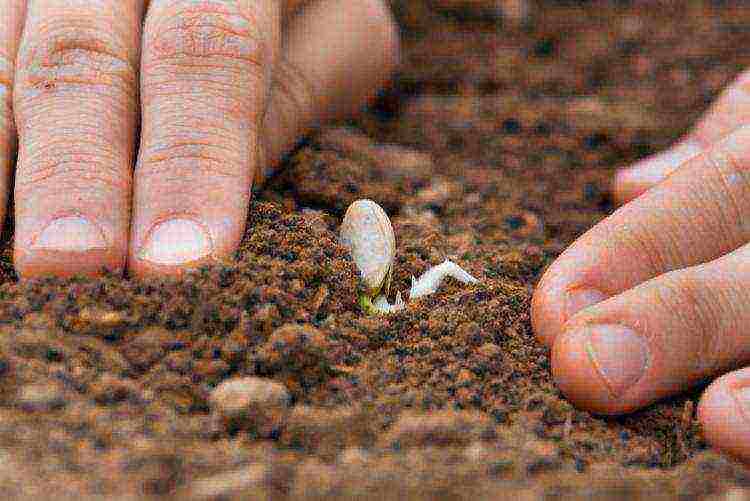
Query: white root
[431,279]
[426,284]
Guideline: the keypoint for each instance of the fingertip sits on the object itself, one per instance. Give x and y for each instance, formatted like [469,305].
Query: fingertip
[724,414]
[172,247]
[556,299]
[67,246]
[627,185]
[577,378]
[631,182]
[545,316]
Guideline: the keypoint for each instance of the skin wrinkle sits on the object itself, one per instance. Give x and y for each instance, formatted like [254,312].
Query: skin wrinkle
[169,129]
[82,137]
[96,138]
[248,39]
[220,102]
[170,137]
[78,13]
[207,166]
[230,100]
[174,123]
[63,169]
[162,150]
[37,147]
[191,88]
[291,85]
[76,190]
[644,246]
[159,154]
[81,96]
[87,52]
[730,300]
[729,170]
[725,227]
[675,292]
[194,162]
[101,157]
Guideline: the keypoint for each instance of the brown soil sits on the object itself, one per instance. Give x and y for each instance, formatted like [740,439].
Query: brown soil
[494,147]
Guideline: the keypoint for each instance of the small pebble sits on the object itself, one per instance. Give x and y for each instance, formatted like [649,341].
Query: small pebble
[40,398]
[229,484]
[255,403]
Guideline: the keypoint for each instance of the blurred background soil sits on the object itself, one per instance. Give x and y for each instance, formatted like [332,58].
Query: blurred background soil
[495,147]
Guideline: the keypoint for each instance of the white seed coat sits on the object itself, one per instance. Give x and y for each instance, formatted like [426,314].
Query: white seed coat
[431,279]
[367,232]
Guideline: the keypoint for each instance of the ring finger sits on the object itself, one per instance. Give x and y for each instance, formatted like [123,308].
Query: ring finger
[75,101]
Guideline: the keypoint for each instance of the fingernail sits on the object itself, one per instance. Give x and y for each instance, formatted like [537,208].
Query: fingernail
[578,299]
[175,242]
[618,354]
[656,168]
[70,234]
[742,395]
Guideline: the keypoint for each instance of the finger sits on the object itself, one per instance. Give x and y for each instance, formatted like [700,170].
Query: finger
[336,55]
[696,215]
[658,338]
[730,111]
[75,105]
[724,414]
[206,77]
[12,13]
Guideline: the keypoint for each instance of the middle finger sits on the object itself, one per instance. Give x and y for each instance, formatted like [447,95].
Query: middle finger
[206,77]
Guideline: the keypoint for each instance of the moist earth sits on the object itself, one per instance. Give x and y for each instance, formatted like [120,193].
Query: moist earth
[495,147]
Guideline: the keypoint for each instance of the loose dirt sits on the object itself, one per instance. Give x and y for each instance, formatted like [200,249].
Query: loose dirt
[494,147]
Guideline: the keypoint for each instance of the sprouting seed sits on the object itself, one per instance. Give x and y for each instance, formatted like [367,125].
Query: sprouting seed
[431,279]
[367,232]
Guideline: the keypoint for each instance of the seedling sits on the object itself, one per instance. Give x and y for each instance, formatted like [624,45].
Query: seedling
[368,234]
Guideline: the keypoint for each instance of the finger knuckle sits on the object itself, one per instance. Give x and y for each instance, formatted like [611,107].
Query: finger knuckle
[187,32]
[73,51]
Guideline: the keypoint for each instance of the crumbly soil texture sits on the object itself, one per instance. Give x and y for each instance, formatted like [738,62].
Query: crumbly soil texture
[495,147]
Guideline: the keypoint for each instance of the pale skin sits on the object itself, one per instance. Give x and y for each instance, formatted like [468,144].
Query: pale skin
[222,89]
[656,298]
[226,87]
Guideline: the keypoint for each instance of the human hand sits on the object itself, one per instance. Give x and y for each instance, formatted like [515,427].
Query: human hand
[226,88]
[656,298]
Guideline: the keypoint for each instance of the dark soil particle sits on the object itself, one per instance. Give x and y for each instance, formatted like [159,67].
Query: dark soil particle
[494,147]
